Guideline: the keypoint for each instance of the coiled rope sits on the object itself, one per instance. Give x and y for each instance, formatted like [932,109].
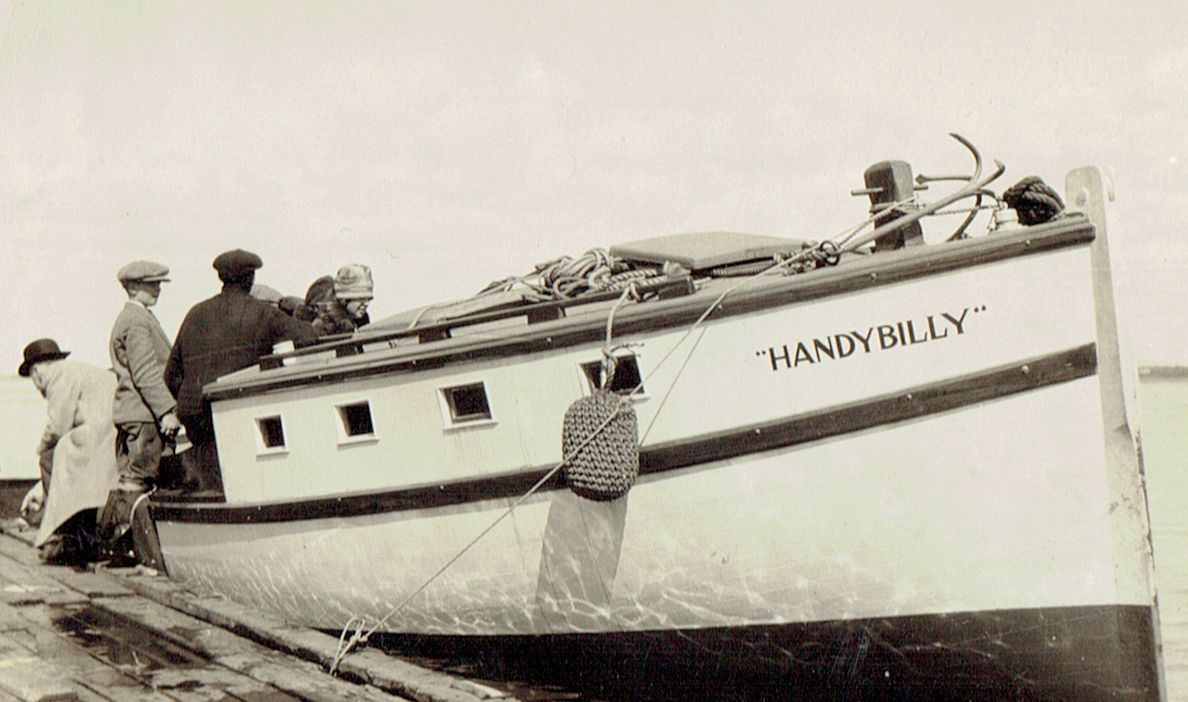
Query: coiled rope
[1034,200]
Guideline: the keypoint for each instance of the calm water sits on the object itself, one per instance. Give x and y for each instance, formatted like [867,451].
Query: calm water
[22,419]
[1164,407]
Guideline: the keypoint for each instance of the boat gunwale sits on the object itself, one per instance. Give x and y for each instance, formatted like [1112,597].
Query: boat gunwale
[762,293]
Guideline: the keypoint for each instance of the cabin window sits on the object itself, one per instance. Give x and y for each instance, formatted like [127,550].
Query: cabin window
[270,435]
[466,404]
[626,379]
[354,422]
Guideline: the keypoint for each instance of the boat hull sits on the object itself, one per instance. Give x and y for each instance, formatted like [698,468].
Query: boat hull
[937,514]
[1072,653]
[922,463]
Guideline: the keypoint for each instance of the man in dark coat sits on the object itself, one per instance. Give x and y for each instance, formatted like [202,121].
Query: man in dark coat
[225,333]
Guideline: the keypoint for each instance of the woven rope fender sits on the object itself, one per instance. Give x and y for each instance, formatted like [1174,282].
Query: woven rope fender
[606,467]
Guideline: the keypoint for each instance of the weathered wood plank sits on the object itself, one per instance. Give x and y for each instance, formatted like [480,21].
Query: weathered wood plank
[380,670]
[284,672]
[31,679]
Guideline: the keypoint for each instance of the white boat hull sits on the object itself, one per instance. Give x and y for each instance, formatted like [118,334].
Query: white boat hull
[943,458]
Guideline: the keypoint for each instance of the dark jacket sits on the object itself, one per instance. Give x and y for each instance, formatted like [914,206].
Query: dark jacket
[230,331]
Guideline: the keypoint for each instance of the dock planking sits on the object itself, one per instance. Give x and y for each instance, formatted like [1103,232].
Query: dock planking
[130,635]
[57,642]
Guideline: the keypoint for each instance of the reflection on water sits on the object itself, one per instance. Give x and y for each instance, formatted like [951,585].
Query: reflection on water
[121,643]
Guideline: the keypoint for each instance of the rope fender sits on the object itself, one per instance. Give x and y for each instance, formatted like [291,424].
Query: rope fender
[606,467]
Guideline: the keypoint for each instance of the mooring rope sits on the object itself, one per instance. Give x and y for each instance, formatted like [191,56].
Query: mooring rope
[562,275]
[346,645]
[359,637]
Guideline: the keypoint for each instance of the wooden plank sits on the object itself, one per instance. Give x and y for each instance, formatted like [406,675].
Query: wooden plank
[30,678]
[214,682]
[380,670]
[282,671]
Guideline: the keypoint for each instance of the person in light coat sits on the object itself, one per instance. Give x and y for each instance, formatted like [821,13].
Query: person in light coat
[76,452]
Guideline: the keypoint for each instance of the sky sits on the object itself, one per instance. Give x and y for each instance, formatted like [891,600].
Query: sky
[450,144]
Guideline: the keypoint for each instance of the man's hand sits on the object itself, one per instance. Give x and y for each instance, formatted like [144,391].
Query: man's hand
[170,424]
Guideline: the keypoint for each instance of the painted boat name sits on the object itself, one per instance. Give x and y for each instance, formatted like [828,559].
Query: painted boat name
[882,337]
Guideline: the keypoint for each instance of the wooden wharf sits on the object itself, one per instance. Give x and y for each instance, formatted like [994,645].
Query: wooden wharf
[130,635]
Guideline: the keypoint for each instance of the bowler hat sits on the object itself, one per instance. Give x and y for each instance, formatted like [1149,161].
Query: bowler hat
[237,263]
[143,272]
[38,351]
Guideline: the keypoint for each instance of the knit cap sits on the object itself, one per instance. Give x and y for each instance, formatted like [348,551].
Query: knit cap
[353,282]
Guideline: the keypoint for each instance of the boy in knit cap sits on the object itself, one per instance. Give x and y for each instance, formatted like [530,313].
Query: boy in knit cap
[340,303]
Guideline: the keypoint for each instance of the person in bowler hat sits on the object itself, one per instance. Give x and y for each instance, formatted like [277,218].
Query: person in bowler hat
[225,333]
[144,410]
[76,452]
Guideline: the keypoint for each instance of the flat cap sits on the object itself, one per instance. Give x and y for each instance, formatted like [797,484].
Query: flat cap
[143,272]
[237,262]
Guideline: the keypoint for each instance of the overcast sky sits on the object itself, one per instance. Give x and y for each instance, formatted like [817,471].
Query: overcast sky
[450,144]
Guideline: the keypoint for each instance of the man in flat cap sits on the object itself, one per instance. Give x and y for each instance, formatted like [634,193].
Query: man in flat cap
[144,410]
[225,333]
[77,454]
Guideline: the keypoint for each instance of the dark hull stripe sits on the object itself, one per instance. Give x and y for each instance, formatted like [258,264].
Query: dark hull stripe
[1057,654]
[872,272]
[790,431]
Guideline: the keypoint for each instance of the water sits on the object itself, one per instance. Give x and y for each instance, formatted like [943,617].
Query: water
[22,419]
[1164,407]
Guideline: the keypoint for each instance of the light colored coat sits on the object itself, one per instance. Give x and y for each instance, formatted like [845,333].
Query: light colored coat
[81,435]
[139,350]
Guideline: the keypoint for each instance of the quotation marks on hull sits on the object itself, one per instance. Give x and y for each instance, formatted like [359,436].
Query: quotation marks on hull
[881,337]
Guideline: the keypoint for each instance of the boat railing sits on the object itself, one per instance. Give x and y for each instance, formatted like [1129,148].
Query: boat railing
[894,211]
[342,345]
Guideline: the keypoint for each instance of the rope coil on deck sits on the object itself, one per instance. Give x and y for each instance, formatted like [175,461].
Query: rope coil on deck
[1034,200]
[607,465]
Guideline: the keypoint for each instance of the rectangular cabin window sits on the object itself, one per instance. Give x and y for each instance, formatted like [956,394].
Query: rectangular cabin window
[626,378]
[354,422]
[466,405]
[270,435]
